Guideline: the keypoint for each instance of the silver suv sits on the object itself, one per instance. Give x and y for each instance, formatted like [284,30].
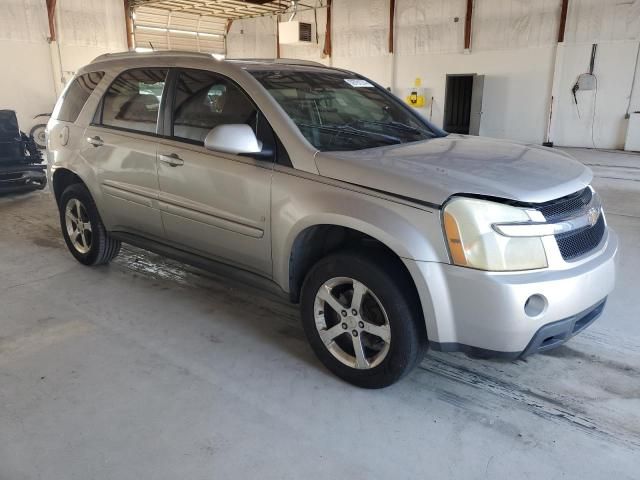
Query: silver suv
[393,235]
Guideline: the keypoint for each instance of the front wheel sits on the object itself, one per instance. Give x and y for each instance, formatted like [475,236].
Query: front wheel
[362,319]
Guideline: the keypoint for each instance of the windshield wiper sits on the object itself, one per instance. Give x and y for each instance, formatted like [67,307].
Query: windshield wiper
[338,129]
[397,125]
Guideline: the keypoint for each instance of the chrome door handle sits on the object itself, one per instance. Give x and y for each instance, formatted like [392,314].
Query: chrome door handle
[172,160]
[95,141]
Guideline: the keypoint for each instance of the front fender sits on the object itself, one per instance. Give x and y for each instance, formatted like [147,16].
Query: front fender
[300,202]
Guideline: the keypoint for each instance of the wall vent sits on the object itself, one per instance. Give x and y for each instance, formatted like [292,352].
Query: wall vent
[295,33]
[305,32]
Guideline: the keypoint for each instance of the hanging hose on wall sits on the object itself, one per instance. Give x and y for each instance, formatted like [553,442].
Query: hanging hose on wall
[585,82]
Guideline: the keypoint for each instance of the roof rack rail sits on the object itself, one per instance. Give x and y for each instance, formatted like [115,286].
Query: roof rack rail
[282,61]
[157,53]
[172,53]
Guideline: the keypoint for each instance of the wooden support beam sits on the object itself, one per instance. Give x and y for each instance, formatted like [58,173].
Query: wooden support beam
[563,20]
[467,25]
[277,36]
[327,50]
[128,21]
[392,21]
[51,14]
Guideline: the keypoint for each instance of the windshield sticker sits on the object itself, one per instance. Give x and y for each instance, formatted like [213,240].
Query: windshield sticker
[357,83]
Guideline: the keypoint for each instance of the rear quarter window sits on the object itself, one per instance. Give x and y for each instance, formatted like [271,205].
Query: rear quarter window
[75,96]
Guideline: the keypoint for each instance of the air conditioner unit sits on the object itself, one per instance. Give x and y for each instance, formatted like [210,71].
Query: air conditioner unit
[295,33]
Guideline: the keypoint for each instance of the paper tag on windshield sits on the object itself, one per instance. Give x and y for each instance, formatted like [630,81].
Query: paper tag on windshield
[357,83]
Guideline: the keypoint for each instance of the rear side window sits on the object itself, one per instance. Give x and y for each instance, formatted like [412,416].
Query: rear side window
[69,106]
[132,102]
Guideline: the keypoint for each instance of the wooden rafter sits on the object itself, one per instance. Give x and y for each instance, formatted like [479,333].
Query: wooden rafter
[327,50]
[563,20]
[392,21]
[51,14]
[277,36]
[128,19]
[467,25]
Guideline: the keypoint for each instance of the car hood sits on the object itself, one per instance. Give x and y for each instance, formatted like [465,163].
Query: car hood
[433,170]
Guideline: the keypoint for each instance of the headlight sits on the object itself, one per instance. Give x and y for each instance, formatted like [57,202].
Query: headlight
[474,243]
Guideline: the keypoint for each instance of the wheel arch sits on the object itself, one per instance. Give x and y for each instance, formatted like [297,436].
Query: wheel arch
[61,178]
[314,241]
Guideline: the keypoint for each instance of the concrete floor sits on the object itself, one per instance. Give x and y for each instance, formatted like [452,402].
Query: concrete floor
[149,369]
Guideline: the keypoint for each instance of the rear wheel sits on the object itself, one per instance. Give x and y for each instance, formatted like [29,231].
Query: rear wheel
[362,319]
[83,230]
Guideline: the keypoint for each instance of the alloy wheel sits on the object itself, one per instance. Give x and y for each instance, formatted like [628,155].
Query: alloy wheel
[352,323]
[78,226]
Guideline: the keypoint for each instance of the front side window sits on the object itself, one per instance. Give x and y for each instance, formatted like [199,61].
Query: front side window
[205,100]
[340,111]
[75,96]
[133,100]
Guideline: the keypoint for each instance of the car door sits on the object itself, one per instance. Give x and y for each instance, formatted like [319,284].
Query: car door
[214,203]
[121,144]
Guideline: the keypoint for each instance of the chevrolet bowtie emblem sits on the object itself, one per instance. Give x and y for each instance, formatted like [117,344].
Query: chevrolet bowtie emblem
[592,215]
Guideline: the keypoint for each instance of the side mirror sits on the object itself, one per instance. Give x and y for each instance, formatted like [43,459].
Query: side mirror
[233,138]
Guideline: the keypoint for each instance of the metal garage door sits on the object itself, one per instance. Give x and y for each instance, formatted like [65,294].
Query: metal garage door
[161,29]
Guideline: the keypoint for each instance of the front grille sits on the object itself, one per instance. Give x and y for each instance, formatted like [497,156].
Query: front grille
[574,244]
[569,206]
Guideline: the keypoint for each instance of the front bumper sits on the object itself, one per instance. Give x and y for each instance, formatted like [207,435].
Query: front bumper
[22,177]
[483,312]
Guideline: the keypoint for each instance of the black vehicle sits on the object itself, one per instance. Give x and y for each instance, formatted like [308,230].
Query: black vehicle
[21,165]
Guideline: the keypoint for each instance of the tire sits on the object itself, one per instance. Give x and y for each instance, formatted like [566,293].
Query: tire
[37,133]
[389,308]
[95,246]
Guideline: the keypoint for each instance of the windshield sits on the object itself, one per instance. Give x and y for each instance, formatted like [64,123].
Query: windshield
[338,111]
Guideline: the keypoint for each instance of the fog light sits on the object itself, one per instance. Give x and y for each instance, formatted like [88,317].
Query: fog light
[535,305]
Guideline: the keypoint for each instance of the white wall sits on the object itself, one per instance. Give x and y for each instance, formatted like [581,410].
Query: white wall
[516,89]
[256,37]
[34,70]
[360,40]
[514,44]
[601,123]
[252,38]
[598,120]
[86,29]
[26,82]
[429,44]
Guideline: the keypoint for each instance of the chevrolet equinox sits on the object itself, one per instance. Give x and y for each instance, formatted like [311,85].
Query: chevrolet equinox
[392,235]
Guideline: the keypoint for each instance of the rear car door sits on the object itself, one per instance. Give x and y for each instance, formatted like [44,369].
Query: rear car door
[214,203]
[121,143]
